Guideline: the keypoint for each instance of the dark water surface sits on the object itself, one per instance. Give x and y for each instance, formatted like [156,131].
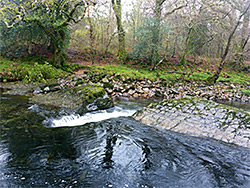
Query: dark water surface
[244,106]
[118,152]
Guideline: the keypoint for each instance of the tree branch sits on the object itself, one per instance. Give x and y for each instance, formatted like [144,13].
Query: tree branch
[177,8]
[70,14]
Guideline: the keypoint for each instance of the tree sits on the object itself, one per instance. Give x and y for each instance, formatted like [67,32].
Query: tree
[152,32]
[116,4]
[14,31]
[214,78]
[156,31]
[51,18]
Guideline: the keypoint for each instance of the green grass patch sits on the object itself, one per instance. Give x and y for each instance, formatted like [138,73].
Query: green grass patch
[137,74]
[28,71]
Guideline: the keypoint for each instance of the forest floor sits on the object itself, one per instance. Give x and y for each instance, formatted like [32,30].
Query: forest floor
[196,68]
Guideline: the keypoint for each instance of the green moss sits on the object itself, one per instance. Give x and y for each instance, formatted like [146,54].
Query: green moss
[28,71]
[76,98]
[245,91]
[168,76]
[208,105]
[199,76]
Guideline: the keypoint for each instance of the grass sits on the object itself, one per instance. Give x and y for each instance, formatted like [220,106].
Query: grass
[125,71]
[199,76]
[136,74]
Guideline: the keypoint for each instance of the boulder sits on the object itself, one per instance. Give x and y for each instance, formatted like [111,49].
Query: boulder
[199,117]
[81,99]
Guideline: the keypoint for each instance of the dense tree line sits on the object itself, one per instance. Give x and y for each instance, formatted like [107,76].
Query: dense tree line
[147,31]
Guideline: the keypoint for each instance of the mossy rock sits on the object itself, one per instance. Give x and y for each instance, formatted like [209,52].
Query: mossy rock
[80,99]
[199,117]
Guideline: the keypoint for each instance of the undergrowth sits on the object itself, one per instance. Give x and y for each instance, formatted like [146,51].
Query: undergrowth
[169,75]
[28,71]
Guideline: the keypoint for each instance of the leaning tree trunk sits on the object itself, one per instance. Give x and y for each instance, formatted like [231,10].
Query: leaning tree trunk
[244,40]
[214,78]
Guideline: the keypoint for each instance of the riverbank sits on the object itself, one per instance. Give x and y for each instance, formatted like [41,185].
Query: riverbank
[119,86]
[64,93]
[125,81]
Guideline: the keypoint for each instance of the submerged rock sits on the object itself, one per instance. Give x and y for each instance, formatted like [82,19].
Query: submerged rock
[199,117]
[80,99]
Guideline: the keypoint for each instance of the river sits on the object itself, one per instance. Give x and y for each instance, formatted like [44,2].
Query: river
[42,146]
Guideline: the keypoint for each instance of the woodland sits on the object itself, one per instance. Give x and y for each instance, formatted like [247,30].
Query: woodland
[149,34]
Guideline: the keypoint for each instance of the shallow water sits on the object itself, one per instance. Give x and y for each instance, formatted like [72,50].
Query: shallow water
[46,147]
[244,106]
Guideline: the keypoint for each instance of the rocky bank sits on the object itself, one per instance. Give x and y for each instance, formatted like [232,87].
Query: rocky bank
[199,117]
[118,85]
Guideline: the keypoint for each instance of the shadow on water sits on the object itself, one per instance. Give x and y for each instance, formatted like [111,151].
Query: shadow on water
[118,152]
[244,106]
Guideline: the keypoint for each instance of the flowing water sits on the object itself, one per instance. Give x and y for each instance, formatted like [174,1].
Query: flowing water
[47,147]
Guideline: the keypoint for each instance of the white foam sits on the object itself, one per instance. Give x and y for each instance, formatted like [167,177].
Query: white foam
[76,120]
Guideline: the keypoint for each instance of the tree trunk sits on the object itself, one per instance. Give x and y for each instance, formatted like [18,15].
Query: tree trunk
[122,54]
[187,44]
[214,78]
[244,40]
[58,59]
[58,47]
[92,38]
[156,32]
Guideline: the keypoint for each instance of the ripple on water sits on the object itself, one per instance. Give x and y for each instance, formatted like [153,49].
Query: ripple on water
[116,152]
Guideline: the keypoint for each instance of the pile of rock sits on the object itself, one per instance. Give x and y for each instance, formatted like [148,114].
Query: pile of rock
[117,85]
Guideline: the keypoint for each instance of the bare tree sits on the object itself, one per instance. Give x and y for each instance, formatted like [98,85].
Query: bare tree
[214,78]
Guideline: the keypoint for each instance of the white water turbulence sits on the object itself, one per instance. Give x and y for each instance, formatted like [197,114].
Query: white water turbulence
[76,120]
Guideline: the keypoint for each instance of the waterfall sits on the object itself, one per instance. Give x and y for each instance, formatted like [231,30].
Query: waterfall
[76,120]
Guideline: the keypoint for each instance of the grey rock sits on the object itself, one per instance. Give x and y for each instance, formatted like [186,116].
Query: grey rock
[199,117]
[105,80]
[37,90]
[131,92]
[46,89]
[80,99]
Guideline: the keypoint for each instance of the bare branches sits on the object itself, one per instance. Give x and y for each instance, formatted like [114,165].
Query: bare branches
[175,9]
[71,13]
[214,78]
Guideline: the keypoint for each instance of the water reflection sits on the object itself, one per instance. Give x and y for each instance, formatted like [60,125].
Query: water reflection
[117,152]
